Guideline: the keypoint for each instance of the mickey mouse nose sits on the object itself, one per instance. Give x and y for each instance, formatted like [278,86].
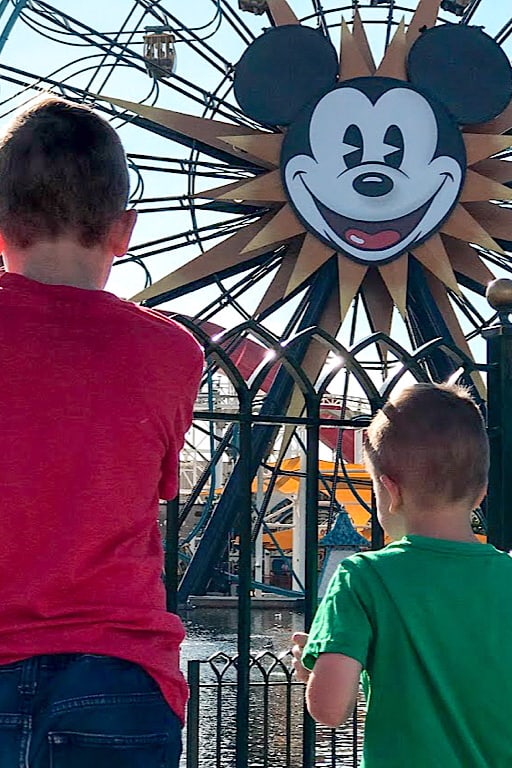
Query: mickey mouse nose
[372,184]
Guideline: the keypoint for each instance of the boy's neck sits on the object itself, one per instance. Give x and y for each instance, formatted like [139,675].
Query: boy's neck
[446,524]
[464,534]
[62,261]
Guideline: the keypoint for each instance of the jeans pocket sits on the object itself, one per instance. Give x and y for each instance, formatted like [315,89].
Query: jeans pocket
[13,736]
[91,750]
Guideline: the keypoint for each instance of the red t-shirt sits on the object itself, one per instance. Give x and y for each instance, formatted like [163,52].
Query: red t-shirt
[96,395]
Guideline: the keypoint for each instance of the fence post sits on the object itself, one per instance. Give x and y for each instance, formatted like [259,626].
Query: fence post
[499,415]
[244,587]
[171,552]
[192,743]
[311,557]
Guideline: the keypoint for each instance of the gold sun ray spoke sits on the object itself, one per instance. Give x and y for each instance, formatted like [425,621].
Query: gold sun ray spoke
[295,409]
[479,188]
[330,321]
[215,192]
[393,63]
[361,39]
[281,227]
[312,256]
[314,359]
[496,219]
[394,275]
[277,288]
[466,261]
[425,16]
[350,277]
[281,13]
[207,131]
[266,188]
[352,61]
[316,355]
[434,257]
[222,256]
[500,124]
[287,436]
[480,146]
[499,170]
[462,225]
[442,301]
[377,302]
[266,147]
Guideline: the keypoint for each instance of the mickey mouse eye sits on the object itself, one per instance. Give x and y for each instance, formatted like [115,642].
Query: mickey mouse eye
[395,141]
[353,138]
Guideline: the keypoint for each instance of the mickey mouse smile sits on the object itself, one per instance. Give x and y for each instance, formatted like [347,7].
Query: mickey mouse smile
[373,235]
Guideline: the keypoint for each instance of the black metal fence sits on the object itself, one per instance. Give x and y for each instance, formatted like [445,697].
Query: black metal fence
[253,693]
[275,717]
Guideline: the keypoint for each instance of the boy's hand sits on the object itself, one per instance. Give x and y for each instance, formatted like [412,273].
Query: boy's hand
[299,640]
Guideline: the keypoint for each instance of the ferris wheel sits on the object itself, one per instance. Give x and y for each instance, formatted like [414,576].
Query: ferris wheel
[166,78]
[234,116]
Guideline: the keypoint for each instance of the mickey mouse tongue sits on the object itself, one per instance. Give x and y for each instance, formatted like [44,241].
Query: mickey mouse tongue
[372,242]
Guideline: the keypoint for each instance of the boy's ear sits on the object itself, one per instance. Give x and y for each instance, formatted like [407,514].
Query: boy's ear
[481,496]
[393,491]
[120,233]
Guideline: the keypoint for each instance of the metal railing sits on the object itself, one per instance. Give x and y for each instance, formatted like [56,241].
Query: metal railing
[276,702]
[238,731]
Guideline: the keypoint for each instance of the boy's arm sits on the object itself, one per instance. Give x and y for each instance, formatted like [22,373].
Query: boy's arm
[332,686]
[338,646]
[299,640]
[181,409]
[332,689]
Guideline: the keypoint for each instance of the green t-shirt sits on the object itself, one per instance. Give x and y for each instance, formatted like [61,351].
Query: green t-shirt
[430,621]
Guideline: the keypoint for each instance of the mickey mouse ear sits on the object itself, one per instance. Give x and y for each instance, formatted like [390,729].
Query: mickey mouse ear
[282,71]
[465,69]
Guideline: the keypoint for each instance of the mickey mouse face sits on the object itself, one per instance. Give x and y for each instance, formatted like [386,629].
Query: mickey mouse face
[380,169]
[373,166]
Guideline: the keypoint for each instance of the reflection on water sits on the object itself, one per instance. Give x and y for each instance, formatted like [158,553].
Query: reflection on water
[210,630]
[276,700]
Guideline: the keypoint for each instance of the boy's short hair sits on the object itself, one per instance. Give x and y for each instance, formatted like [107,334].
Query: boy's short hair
[62,171]
[431,439]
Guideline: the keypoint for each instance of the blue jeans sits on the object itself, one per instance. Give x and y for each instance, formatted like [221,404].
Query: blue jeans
[84,711]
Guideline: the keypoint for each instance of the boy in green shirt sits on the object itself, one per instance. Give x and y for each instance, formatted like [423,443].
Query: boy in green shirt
[428,619]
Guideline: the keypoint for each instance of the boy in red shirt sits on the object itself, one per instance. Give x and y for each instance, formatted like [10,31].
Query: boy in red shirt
[96,397]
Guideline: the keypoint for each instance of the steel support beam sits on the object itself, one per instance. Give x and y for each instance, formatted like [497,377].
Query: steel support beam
[499,423]
[18,8]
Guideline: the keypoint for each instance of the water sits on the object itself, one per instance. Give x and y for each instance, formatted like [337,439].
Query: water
[276,700]
[213,630]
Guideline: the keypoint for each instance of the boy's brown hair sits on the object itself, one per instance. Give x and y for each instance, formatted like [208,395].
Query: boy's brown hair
[62,171]
[431,439]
